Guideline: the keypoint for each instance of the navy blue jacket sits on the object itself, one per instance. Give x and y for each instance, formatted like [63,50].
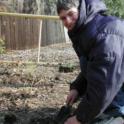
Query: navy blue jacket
[98,40]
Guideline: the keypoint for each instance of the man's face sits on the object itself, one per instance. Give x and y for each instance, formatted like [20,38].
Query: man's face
[69,17]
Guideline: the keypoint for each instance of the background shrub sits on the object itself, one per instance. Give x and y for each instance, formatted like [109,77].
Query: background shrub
[2,46]
[115,7]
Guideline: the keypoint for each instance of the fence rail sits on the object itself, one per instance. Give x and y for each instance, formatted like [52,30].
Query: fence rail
[32,16]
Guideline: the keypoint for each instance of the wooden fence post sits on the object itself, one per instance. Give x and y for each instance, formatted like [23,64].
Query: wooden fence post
[39,42]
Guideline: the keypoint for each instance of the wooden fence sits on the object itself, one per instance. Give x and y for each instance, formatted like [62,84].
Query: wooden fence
[21,31]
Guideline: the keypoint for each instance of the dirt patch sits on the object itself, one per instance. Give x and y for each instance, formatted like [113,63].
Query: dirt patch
[30,92]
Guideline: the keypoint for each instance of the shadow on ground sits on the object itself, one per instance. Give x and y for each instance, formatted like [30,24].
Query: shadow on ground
[29,116]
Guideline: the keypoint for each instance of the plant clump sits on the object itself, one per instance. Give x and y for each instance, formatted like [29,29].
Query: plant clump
[2,46]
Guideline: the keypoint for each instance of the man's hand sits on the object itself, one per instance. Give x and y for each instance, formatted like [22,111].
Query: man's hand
[72,96]
[72,120]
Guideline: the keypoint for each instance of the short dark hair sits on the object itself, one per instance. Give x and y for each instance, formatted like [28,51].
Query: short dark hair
[66,4]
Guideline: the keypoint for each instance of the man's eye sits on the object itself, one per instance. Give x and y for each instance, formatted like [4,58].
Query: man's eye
[70,14]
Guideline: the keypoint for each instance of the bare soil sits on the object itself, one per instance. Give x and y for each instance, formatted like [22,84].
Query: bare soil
[31,91]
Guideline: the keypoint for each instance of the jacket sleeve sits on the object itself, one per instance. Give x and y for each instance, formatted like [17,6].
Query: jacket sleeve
[103,79]
[79,84]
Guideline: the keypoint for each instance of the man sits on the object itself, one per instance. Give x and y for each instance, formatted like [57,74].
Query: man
[98,40]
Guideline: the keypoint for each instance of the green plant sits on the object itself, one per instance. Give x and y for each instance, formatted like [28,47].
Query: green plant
[30,69]
[2,46]
[66,68]
[115,7]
